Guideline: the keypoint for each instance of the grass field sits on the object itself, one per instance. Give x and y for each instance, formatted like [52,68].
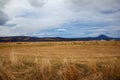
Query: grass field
[80,60]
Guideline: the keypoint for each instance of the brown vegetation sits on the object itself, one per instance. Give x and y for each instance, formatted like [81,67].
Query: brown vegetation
[92,60]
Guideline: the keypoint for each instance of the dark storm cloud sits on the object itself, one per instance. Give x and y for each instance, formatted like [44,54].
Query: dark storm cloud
[3,16]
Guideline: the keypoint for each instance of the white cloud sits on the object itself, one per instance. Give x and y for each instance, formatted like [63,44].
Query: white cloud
[7,31]
[62,30]
[36,15]
[42,34]
[93,4]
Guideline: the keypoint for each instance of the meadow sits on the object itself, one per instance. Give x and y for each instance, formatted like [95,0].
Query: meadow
[74,60]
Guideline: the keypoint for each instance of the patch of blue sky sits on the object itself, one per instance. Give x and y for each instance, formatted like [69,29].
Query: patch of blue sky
[78,29]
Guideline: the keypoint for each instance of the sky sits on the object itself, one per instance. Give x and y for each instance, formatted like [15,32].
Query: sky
[60,18]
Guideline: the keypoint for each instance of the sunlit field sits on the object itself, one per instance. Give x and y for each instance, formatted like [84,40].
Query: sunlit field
[80,60]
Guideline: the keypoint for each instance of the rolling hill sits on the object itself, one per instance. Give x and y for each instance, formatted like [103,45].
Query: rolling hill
[35,39]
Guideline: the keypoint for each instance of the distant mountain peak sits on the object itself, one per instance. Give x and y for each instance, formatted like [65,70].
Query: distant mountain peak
[102,36]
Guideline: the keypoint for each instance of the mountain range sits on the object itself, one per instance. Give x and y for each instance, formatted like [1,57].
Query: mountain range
[37,39]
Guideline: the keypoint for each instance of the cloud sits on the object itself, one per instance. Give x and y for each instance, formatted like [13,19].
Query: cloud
[3,18]
[7,31]
[61,30]
[38,3]
[42,34]
[2,3]
[33,16]
[93,4]
[49,16]
[110,11]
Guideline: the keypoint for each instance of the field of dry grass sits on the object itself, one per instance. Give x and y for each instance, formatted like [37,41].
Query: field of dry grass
[90,60]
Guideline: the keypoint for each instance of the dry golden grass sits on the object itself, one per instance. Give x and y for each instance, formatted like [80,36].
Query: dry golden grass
[92,60]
